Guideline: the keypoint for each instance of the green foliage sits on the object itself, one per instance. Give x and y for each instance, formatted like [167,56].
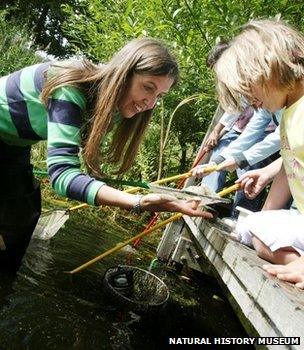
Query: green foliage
[190,27]
[15,51]
[44,21]
[97,29]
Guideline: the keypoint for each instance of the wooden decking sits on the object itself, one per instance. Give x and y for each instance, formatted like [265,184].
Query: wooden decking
[265,305]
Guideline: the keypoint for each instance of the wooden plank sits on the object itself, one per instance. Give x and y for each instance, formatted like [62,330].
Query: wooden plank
[170,237]
[272,307]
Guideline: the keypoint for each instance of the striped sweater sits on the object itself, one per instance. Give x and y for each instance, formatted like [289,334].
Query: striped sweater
[24,120]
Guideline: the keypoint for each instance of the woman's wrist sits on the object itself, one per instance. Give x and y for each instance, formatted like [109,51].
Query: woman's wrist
[110,196]
[137,208]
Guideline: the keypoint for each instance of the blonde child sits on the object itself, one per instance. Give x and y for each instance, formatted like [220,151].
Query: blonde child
[265,65]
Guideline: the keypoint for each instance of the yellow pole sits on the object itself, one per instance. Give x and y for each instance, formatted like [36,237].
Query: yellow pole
[156,227]
[161,181]
[122,244]
[210,169]
[229,190]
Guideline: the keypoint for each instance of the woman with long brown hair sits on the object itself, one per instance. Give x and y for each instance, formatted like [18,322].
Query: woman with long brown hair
[72,105]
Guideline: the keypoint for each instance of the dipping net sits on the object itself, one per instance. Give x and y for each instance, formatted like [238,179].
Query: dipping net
[135,288]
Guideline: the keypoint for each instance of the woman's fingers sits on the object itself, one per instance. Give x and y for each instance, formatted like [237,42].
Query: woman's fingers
[206,215]
[164,202]
[196,212]
[193,203]
[192,208]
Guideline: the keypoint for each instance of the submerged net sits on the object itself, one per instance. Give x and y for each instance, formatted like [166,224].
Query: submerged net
[135,288]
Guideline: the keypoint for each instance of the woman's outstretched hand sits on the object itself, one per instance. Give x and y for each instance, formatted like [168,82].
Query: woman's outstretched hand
[152,202]
[163,202]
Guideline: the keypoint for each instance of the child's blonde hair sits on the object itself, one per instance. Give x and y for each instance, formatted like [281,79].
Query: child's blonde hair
[265,50]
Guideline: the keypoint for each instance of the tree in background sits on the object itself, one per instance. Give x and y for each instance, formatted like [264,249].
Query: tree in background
[191,27]
[96,29]
[100,28]
[43,20]
[15,47]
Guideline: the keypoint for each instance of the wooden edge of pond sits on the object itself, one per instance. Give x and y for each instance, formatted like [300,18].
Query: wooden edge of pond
[266,306]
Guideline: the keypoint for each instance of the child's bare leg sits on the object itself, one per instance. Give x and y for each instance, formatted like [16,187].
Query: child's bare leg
[281,256]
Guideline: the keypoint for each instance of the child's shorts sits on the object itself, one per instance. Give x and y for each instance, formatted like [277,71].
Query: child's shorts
[275,228]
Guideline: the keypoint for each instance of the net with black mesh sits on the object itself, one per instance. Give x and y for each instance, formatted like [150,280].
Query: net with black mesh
[135,288]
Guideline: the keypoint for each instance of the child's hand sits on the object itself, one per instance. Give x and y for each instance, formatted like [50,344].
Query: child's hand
[292,272]
[253,182]
[228,164]
[212,140]
[203,169]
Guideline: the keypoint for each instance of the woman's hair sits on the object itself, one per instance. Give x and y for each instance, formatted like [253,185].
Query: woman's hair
[265,51]
[107,83]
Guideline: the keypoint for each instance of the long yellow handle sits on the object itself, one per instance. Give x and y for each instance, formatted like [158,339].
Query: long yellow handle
[122,244]
[136,189]
[230,189]
[161,181]
[79,206]
[172,178]
[210,169]
[156,227]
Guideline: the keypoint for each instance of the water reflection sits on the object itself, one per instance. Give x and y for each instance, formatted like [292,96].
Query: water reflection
[44,308]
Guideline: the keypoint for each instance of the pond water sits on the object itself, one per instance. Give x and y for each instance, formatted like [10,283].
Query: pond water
[45,308]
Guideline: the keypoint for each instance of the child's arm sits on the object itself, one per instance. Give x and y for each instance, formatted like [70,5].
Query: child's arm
[214,136]
[225,123]
[258,152]
[279,193]
[261,150]
[253,132]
